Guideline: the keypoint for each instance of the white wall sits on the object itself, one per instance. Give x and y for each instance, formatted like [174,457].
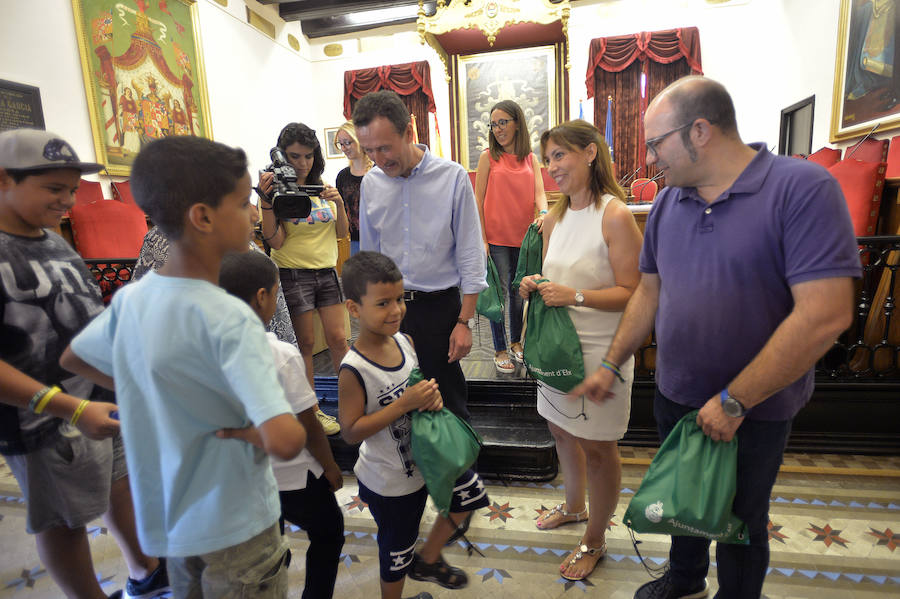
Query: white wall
[768,53]
[256,85]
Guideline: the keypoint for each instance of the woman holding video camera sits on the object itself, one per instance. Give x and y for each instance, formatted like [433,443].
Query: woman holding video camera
[306,252]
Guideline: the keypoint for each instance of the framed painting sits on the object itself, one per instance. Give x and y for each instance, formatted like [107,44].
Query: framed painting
[143,74]
[529,76]
[331,150]
[866,93]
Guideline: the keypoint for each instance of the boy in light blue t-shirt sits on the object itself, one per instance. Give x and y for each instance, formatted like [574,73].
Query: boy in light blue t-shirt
[189,359]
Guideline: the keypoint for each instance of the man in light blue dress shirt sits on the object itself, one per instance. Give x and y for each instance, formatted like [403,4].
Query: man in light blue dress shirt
[420,210]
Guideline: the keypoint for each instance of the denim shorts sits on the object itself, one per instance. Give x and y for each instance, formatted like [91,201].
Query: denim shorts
[67,482]
[308,289]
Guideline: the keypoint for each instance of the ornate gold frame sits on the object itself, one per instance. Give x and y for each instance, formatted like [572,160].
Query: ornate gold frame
[96,80]
[490,17]
[884,123]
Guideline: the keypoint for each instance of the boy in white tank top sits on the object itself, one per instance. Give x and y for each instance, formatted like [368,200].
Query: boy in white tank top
[374,404]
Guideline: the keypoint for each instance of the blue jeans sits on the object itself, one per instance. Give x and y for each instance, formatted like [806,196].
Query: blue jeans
[741,568]
[506,259]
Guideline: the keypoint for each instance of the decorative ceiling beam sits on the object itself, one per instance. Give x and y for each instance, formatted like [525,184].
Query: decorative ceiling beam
[302,10]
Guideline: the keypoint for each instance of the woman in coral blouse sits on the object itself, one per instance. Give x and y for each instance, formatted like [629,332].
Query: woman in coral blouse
[508,190]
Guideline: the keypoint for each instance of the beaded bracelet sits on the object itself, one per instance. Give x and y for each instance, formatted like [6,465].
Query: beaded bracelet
[46,399]
[542,212]
[614,369]
[74,420]
[36,398]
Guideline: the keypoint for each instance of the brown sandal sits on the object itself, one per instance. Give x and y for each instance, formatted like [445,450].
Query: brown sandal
[564,517]
[583,552]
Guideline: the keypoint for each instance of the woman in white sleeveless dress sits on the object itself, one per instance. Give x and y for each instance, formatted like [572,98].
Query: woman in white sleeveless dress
[591,249]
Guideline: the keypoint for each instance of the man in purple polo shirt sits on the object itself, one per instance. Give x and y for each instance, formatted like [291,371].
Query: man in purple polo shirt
[746,273]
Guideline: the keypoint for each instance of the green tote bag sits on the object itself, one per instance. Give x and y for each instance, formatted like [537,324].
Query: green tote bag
[443,448]
[530,255]
[552,348]
[689,488]
[490,300]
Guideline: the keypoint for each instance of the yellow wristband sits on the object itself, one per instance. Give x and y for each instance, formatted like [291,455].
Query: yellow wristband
[46,399]
[74,420]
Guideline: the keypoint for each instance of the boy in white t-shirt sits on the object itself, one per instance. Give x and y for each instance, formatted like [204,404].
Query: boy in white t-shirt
[375,401]
[306,483]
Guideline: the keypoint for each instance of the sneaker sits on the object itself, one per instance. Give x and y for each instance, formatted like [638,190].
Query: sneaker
[439,572]
[329,423]
[154,585]
[662,588]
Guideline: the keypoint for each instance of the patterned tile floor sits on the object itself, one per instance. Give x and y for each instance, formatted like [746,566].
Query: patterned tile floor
[831,536]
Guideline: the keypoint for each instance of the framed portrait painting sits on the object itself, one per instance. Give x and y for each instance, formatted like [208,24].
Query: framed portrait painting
[866,93]
[529,76]
[331,150]
[143,74]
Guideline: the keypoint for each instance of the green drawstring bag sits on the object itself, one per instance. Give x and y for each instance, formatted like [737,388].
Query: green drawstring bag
[530,255]
[689,488]
[490,300]
[443,448]
[552,348]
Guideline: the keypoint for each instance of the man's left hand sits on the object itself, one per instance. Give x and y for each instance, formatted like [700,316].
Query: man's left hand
[460,343]
[716,424]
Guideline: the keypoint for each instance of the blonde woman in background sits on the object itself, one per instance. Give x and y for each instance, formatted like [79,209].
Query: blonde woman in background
[350,178]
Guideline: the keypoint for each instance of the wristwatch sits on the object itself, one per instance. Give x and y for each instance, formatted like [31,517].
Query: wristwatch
[579,298]
[469,324]
[731,406]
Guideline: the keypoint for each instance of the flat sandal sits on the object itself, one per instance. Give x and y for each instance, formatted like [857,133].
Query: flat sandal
[580,552]
[558,509]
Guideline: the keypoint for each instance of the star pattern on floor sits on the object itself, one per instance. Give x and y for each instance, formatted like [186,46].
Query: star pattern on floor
[356,503]
[541,511]
[774,534]
[828,535]
[27,578]
[888,537]
[96,531]
[495,573]
[104,580]
[349,558]
[495,511]
[568,584]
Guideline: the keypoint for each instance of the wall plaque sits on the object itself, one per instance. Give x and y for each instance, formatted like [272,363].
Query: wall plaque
[20,106]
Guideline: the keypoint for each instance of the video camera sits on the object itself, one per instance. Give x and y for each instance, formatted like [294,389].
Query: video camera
[289,200]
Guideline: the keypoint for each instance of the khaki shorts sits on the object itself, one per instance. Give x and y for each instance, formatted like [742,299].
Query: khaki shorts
[67,482]
[256,568]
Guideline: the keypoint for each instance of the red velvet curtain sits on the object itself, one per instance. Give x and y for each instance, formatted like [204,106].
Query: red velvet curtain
[614,69]
[412,81]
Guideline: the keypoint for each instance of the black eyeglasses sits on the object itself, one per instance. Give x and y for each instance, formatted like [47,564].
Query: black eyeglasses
[343,144]
[500,124]
[652,144]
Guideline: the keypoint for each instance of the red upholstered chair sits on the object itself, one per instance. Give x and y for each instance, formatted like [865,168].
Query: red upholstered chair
[644,190]
[869,150]
[108,229]
[826,157]
[122,192]
[472,179]
[893,159]
[88,191]
[862,184]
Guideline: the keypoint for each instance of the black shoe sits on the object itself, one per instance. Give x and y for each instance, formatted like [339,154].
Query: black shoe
[439,572]
[462,529]
[116,595]
[662,588]
[155,584]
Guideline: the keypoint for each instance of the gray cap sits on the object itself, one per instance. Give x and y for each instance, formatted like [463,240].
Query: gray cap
[32,149]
